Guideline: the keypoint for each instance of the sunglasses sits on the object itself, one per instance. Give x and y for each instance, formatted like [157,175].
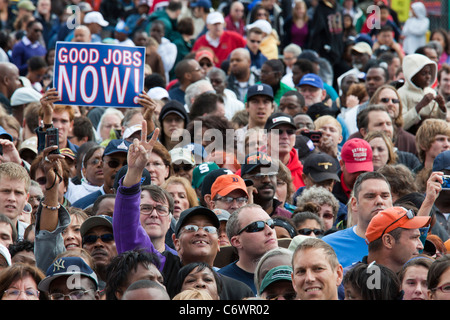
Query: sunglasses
[255,41]
[290,132]
[409,214]
[90,239]
[185,167]
[386,100]
[114,163]
[307,231]
[205,64]
[257,226]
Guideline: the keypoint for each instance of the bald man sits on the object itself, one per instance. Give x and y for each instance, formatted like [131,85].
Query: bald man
[9,82]
[82,34]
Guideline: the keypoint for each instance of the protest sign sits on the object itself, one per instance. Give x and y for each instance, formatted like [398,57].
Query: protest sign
[95,74]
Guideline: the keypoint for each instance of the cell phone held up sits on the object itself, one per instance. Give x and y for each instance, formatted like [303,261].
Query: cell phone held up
[52,139]
[314,136]
[446,182]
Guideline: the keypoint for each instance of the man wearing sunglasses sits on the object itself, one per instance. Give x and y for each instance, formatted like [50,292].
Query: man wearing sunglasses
[98,240]
[280,144]
[260,168]
[113,159]
[252,233]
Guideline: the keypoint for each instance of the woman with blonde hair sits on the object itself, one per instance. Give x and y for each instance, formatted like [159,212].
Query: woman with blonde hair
[296,27]
[183,194]
[382,149]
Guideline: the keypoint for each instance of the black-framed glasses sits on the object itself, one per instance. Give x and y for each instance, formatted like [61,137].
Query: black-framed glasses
[307,231]
[15,293]
[74,295]
[184,167]
[386,100]
[160,209]
[229,200]
[257,226]
[92,238]
[409,214]
[114,163]
[194,228]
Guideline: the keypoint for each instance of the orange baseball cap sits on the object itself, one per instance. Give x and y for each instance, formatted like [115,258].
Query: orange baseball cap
[392,218]
[226,183]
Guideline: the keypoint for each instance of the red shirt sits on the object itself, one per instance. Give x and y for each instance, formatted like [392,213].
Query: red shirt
[229,41]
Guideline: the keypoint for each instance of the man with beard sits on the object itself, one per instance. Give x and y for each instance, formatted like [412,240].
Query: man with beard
[263,170]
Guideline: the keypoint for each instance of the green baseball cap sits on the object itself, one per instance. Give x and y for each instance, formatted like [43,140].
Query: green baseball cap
[201,171]
[280,273]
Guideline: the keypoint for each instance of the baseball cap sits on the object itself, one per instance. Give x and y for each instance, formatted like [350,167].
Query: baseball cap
[24,95]
[319,109]
[145,180]
[442,161]
[222,214]
[362,47]
[182,155]
[4,134]
[158,93]
[131,130]
[95,17]
[227,183]
[30,144]
[279,273]
[173,106]
[260,89]
[26,4]
[310,55]
[197,150]
[264,25]
[255,160]
[279,118]
[311,79]
[67,152]
[122,27]
[304,146]
[392,218]
[201,171]
[200,54]
[210,177]
[95,221]
[201,3]
[321,167]
[357,155]
[198,210]
[215,17]
[67,266]
[116,145]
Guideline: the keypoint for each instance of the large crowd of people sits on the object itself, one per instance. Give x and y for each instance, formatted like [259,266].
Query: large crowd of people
[281,150]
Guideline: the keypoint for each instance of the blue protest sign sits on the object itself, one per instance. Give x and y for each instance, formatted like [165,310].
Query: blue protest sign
[96,74]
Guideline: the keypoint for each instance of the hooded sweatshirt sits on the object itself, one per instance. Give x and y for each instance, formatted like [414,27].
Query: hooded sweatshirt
[415,28]
[411,95]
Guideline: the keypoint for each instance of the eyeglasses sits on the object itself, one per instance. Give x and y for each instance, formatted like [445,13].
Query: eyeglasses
[184,167]
[409,214]
[90,239]
[229,200]
[279,132]
[160,209]
[445,288]
[95,161]
[307,231]
[254,41]
[386,100]
[286,296]
[114,163]
[261,176]
[15,293]
[194,228]
[74,295]
[257,226]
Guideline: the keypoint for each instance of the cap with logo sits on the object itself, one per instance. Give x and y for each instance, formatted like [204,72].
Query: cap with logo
[116,145]
[67,266]
[321,167]
[261,89]
[256,160]
[280,273]
[227,183]
[201,171]
[357,155]
[311,79]
[182,155]
[392,218]
[279,118]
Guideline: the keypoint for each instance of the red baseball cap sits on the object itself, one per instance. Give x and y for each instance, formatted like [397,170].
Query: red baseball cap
[226,183]
[357,155]
[392,218]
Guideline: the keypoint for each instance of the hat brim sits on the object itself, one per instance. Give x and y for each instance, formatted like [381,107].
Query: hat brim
[199,210]
[95,221]
[323,176]
[230,188]
[281,123]
[353,167]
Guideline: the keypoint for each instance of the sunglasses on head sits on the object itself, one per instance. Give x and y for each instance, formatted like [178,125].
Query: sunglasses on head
[257,226]
[90,239]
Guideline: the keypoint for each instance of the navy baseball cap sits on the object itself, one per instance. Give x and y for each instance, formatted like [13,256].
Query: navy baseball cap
[116,145]
[260,89]
[255,160]
[201,3]
[311,79]
[194,211]
[442,161]
[67,266]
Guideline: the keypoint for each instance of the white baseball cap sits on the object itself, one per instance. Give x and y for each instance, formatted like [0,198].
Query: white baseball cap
[215,17]
[95,17]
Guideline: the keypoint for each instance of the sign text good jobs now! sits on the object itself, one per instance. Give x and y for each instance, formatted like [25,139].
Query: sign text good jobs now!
[94,74]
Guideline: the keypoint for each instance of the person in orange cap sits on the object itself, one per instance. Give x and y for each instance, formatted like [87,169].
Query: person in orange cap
[228,192]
